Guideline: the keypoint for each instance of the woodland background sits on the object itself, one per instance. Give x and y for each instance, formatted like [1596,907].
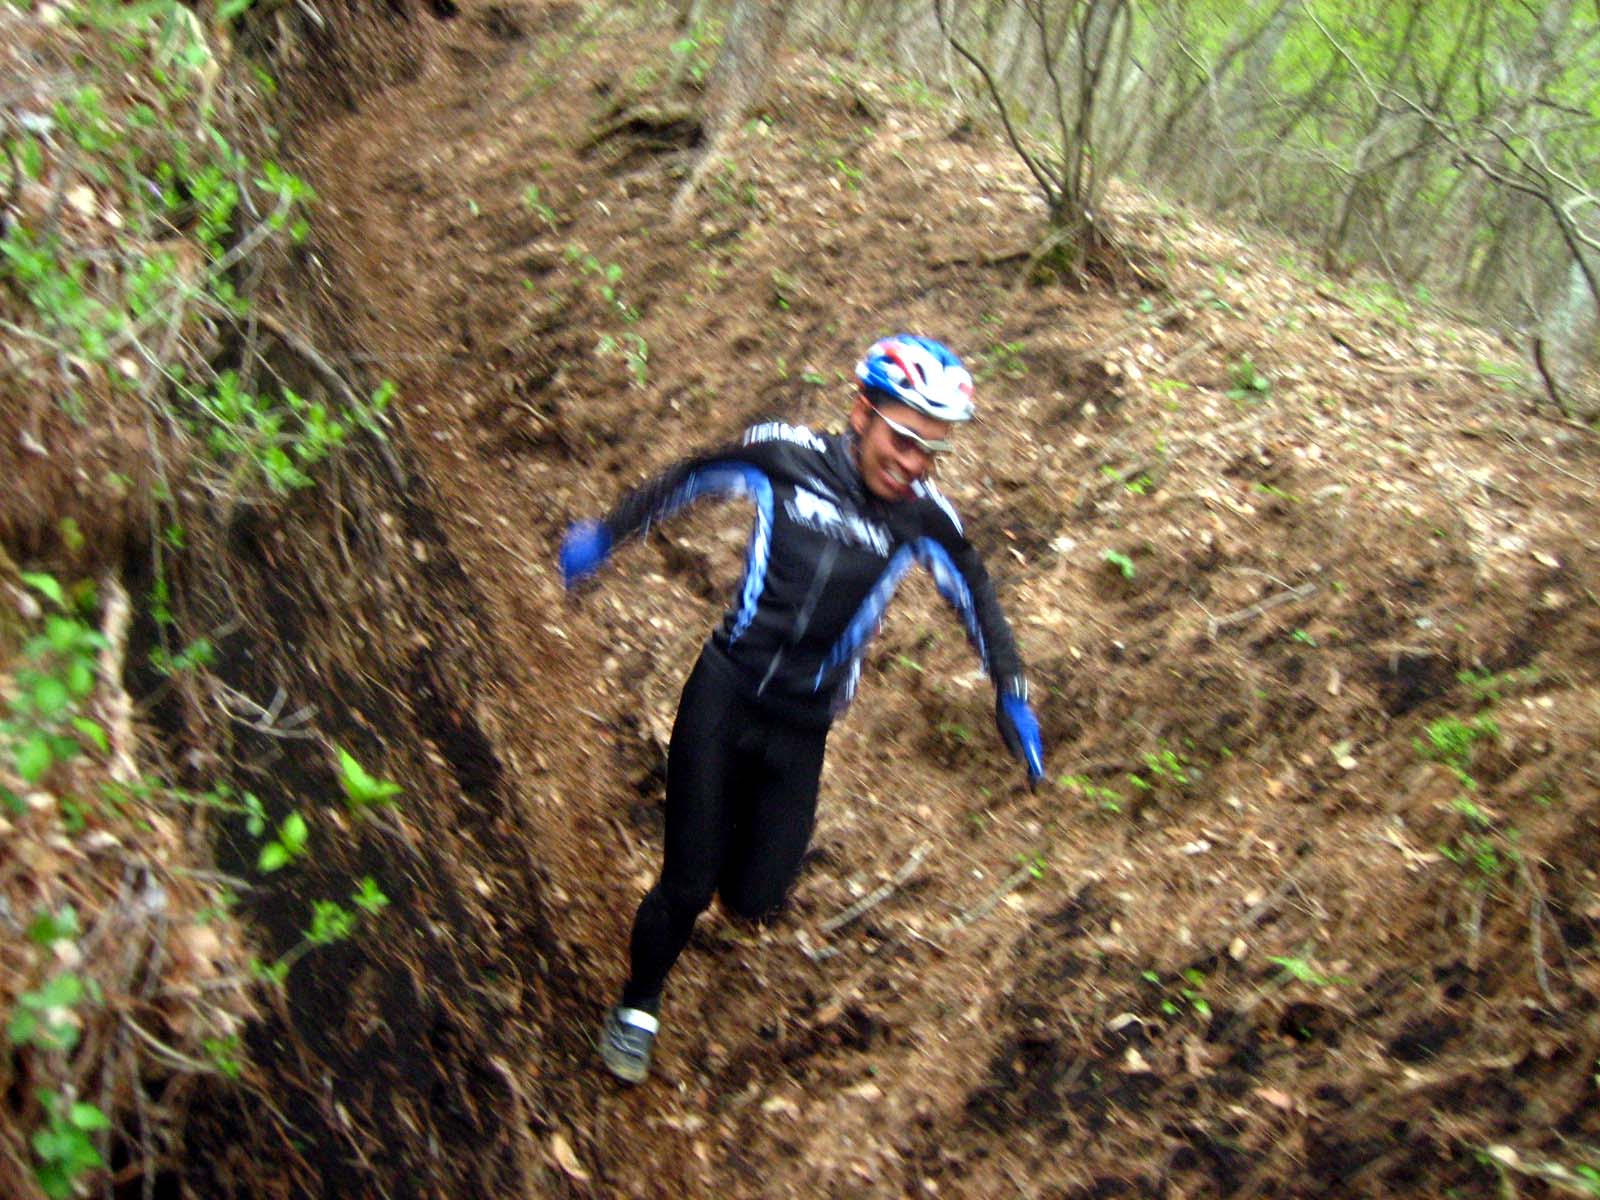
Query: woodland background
[321,319]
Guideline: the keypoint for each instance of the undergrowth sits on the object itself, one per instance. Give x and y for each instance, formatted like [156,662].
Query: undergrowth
[145,201]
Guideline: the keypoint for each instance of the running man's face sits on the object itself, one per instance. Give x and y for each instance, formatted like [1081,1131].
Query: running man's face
[889,460]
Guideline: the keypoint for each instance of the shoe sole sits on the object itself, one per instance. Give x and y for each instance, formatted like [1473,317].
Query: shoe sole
[623,1068]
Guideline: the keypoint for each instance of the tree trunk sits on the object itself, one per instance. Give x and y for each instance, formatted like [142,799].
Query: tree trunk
[737,80]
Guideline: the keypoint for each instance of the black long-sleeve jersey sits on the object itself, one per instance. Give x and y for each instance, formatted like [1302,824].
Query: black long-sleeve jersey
[823,560]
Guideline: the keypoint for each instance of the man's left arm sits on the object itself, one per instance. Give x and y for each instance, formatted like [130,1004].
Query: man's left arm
[963,580]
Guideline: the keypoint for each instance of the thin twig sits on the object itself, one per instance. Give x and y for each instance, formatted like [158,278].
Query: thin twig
[310,354]
[1537,914]
[1255,610]
[877,895]
[162,1050]
[987,905]
[247,712]
[1554,466]
[812,952]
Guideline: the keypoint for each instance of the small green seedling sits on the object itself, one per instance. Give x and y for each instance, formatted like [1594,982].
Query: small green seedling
[363,790]
[1301,969]
[65,1148]
[1120,561]
[288,845]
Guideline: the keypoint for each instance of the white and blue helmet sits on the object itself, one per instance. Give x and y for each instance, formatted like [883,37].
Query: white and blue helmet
[921,373]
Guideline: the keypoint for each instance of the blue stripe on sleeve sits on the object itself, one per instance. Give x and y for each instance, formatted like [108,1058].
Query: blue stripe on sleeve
[736,479]
[953,587]
[865,623]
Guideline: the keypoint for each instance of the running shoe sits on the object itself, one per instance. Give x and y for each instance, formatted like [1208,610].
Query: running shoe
[625,1042]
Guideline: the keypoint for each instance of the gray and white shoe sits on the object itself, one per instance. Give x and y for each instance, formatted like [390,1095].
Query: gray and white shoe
[625,1042]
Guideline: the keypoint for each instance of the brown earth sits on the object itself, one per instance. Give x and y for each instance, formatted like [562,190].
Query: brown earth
[1257,940]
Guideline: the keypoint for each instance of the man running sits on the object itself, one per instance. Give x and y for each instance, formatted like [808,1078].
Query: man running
[839,520]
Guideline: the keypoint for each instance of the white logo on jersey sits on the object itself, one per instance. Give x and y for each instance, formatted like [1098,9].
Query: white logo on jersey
[811,510]
[778,431]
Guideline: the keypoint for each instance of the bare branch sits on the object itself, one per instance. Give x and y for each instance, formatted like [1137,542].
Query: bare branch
[1046,182]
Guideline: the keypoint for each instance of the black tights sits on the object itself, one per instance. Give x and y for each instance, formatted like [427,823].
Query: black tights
[741,800]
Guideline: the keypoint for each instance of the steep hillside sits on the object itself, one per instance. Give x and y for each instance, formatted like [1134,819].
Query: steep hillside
[1311,910]
[1309,906]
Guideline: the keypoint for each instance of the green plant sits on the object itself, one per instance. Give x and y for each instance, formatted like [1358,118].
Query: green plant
[280,438]
[64,1148]
[1034,862]
[368,897]
[1383,299]
[1135,485]
[633,350]
[609,276]
[1003,358]
[43,1016]
[692,53]
[1107,799]
[1168,767]
[363,790]
[1246,382]
[1508,377]
[914,91]
[55,673]
[47,928]
[223,1054]
[1300,969]
[288,844]
[1194,979]
[1481,854]
[784,287]
[1187,993]
[536,205]
[1453,741]
[198,653]
[956,730]
[330,922]
[1487,687]
[1120,561]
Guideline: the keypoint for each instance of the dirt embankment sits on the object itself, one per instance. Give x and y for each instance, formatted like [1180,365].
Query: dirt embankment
[1310,908]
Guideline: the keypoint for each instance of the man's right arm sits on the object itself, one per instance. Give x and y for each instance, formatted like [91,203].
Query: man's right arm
[735,470]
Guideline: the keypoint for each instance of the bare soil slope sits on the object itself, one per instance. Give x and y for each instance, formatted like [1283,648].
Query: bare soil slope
[1310,603]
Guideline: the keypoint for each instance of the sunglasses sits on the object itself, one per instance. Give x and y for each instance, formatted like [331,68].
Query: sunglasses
[907,439]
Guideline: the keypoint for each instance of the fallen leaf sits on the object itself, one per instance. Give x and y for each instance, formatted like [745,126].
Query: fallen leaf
[780,1104]
[566,1159]
[81,199]
[1276,1098]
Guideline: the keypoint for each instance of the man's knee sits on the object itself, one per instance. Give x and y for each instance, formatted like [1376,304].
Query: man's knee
[758,906]
[684,900]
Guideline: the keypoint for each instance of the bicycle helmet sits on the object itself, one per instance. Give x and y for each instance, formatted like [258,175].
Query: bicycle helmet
[921,373]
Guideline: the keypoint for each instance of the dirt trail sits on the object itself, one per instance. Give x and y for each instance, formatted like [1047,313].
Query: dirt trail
[1252,970]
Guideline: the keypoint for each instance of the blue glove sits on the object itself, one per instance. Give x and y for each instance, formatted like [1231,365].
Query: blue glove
[584,551]
[1019,729]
